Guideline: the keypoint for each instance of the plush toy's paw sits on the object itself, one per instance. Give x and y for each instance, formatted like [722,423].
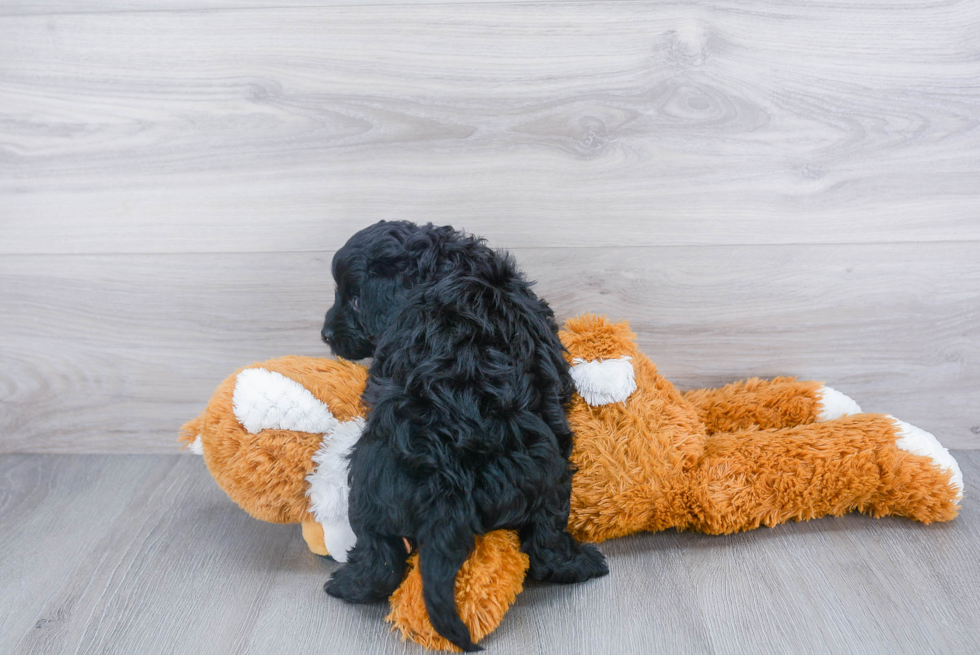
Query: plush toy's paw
[585,563]
[833,404]
[313,536]
[919,442]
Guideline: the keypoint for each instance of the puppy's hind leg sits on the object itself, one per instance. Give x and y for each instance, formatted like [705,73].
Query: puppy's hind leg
[375,567]
[554,554]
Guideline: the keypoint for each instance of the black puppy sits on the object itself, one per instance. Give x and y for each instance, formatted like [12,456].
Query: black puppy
[466,431]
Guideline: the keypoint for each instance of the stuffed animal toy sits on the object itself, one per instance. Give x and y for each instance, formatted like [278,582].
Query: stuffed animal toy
[647,457]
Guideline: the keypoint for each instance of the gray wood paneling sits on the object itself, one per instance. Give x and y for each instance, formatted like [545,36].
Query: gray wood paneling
[144,554]
[113,353]
[53,7]
[541,124]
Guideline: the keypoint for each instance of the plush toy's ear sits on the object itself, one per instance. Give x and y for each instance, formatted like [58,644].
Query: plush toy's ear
[592,337]
[601,354]
[268,400]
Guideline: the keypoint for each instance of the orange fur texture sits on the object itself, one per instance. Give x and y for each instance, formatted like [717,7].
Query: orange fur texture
[754,403]
[486,586]
[313,536]
[713,460]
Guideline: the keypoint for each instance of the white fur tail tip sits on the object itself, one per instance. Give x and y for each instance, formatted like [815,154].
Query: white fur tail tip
[266,400]
[601,382]
[196,446]
[833,404]
[919,442]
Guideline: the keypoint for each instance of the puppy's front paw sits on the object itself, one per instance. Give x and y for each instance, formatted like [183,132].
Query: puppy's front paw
[586,562]
[346,585]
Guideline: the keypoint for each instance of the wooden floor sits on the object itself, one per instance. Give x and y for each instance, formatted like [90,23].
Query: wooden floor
[144,554]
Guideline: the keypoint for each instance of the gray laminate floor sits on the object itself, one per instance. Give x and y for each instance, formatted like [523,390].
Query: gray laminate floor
[144,554]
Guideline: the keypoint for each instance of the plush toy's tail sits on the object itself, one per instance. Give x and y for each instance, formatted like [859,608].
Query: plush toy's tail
[442,551]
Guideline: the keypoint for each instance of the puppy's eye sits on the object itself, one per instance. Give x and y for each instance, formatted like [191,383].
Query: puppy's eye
[355,304]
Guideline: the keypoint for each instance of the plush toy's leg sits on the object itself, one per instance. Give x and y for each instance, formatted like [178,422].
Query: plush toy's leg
[867,462]
[832,404]
[313,536]
[486,586]
[919,442]
[768,404]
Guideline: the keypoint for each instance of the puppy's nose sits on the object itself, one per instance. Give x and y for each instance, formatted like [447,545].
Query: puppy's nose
[326,334]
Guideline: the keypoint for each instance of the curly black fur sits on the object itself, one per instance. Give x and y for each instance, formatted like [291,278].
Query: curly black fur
[467,430]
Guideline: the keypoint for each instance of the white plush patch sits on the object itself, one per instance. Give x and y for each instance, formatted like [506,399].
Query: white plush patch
[268,400]
[919,442]
[196,446]
[338,539]
[834,404]
[328,490]
[601,382]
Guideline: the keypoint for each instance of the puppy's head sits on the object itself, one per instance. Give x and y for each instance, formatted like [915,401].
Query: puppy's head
[373,273]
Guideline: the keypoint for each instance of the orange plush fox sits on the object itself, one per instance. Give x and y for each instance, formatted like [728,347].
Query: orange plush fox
[647,457]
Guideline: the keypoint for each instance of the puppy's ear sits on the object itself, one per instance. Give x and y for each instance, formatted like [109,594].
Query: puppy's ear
[390,257]
[387,266]
[413,253]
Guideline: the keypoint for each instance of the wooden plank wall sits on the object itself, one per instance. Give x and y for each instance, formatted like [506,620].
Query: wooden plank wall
[762,188]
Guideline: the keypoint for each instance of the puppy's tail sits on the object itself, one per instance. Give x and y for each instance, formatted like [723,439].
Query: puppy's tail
[442,551]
